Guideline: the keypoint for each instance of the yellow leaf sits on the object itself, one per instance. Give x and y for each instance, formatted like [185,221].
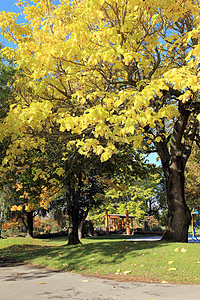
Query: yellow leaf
[183,250]
[60,171]
[127,272]
[177,250]
[105,156]
[172,269]
[42,282]
[158,139]
[198,117]
[170,262]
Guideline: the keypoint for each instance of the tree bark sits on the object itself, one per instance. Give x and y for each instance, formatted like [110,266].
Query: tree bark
[1,217]
[80,228]
[81,223]
[73,213]
[28,223]
[174,160]
[179,216]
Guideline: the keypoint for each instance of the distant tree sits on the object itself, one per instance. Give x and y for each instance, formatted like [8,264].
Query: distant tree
[7,76]
[192,179]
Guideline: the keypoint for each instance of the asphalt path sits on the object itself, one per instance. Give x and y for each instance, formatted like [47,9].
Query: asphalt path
[22,282]
[158,238]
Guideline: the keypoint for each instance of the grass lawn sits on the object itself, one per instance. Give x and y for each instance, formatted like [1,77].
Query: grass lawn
[110,257]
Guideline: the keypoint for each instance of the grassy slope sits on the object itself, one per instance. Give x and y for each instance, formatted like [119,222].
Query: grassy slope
[105,256]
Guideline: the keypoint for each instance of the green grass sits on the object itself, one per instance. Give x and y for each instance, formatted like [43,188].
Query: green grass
[105,256]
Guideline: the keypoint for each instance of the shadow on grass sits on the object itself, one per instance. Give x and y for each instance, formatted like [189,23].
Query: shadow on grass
[96,253]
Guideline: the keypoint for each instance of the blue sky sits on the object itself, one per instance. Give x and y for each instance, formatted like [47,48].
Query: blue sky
[8,6]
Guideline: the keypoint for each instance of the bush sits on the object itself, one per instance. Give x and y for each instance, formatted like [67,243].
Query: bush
[151,224]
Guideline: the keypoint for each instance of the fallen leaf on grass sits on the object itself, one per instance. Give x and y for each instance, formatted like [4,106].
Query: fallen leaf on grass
[177,250]
[127,272]
[91,258]
[119,270]
[183,250]
[170,262]
[172,269]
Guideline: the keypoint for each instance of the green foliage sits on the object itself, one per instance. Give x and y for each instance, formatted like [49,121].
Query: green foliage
[192,178]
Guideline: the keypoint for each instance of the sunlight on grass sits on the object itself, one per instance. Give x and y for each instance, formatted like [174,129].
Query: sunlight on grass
[110,256]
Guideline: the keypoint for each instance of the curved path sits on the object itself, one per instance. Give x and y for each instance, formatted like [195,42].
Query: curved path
[27,283]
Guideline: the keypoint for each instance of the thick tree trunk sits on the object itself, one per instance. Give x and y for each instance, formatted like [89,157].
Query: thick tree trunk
[80,228]
[81,223]
[1,217]
[173,162]
[73,214]
[73,238]
[179,216]
[29,224]
[73,193]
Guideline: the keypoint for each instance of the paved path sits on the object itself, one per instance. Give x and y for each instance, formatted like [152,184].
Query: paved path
[28,283]
[158,238]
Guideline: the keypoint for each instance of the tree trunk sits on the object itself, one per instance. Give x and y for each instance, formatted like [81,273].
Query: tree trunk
[73,213]
[80,228]
[179,216]
[174,160]
[73,193]
[81,223]
[29,224]
[1,217]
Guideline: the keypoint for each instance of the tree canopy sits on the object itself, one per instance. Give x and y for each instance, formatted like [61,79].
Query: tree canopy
[107,73]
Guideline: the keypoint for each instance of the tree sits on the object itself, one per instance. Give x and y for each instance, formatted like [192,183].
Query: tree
[192,185]
[128,189]
[27,193]
[7,73]
[122,72]
[81,184]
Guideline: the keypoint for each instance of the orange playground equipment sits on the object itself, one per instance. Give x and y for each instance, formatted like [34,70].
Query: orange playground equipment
[118,222]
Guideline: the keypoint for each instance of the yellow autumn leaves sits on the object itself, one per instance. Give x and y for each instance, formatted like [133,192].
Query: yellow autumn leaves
[95,68]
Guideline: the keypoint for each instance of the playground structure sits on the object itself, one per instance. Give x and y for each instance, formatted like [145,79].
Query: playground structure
[194,235]
[118,222]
